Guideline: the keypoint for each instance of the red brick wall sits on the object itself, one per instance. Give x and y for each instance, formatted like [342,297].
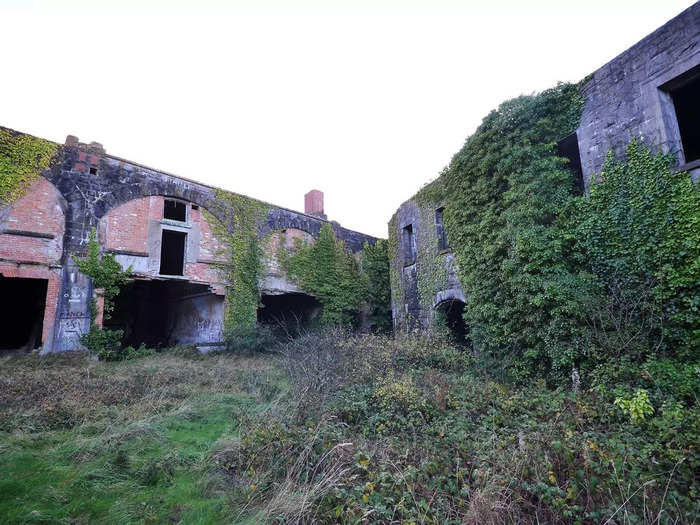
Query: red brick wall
[38,211]
[126,226]
[210,247]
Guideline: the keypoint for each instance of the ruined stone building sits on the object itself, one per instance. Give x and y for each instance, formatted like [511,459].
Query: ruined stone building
[160,225]
[650,92]
[164,227]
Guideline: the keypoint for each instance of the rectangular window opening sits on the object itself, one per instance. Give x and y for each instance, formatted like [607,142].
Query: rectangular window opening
[568,149]
[175,210]
[93,170]
[440,230]
[172,253]
[686,103]
[409,245]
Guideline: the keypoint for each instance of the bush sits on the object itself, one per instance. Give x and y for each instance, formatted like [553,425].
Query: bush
[250,339]
[105,344]
[405,429]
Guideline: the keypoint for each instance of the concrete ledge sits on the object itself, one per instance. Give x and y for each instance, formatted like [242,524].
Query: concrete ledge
[23,233]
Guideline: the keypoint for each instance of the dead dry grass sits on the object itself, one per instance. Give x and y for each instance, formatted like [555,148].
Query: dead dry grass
[52,392]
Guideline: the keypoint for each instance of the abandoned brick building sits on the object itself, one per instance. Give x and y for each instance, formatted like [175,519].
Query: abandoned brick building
[160,225]
[651,93]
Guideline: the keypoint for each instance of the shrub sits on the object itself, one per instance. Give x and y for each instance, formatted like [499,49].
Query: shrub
[250,339]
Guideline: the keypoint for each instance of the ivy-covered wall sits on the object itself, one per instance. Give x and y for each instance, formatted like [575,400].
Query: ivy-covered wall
[547,274]
[22,159]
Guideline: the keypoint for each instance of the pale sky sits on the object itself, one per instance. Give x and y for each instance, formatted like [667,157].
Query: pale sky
[364,100]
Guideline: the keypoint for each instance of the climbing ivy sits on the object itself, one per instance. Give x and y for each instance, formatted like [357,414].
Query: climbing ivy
[375,266]
[328,271]
[430,262]
[22,158]
[638,234]
[107,277]
[504,190]
[395,270]
[552,280]
[240,231]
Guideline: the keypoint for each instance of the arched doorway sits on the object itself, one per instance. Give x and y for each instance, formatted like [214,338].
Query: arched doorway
[450,314]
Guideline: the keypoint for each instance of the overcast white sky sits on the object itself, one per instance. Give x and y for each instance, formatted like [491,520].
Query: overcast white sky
[364,100]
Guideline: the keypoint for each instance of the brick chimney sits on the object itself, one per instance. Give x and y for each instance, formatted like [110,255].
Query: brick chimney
[313,204]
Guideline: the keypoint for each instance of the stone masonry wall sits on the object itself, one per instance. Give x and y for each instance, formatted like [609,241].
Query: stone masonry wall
[625,99]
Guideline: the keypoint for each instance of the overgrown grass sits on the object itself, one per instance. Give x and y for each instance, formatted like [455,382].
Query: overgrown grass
[128,442]
[341,429]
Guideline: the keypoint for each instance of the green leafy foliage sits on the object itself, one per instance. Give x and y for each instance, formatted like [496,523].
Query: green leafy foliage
[411,429]
[244,269]
[555,281]
[638,234]
[638,406]
[22,158]
[328,271]
[504,190]
[375,266]
[107,277]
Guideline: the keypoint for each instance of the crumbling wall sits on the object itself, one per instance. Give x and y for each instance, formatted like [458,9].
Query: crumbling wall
[124,202]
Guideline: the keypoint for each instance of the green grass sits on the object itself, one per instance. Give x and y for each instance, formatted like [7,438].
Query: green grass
[142,459]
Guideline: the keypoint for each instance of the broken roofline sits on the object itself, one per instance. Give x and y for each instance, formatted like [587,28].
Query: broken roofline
[192,181]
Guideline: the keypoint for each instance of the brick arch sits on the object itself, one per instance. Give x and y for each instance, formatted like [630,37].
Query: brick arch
[35,224]
[133,236]
[204,198]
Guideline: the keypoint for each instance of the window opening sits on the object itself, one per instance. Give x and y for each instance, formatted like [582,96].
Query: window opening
[409,245]
[686,102]
[172,253]
[174,210]
[568,149]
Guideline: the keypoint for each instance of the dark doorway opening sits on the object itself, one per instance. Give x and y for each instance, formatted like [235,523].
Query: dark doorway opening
[172,253]
[451,313]
[568,148]
[686,101]
[175,211]
[159,313]
[22,312]
[288,314]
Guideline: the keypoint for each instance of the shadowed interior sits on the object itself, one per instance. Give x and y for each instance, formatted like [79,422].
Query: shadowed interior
[22,312]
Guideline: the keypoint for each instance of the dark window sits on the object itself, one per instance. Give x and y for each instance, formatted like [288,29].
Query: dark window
[93,170]
[409,245]
[175,211]
[172,253]
[440,229]
[568,148]
[686,102]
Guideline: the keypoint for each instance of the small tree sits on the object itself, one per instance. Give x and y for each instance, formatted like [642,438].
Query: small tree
[107,277]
